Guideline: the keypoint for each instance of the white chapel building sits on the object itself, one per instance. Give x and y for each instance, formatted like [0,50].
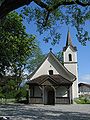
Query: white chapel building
[54,83]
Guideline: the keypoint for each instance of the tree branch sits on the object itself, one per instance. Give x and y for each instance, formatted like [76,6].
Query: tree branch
[9,5]
[46,19]
[82,3]
[53,7]
[41,4]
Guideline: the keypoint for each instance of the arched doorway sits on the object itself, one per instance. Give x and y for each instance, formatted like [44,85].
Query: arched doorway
[49,96]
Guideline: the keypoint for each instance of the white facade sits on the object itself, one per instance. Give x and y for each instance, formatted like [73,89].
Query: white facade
[44,69]
[51,63]
[59,86]
[72,66]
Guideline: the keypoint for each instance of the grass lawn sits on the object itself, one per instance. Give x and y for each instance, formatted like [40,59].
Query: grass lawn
[82,101]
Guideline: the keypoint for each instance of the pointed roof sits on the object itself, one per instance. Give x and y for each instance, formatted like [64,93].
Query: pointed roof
[68,75]
[69,42]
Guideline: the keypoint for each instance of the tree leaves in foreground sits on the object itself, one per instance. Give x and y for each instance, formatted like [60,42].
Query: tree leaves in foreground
[18,51]
[51,15]
[35,59]
[15,45]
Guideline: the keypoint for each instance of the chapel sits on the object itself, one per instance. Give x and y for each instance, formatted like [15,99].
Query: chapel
[53,82]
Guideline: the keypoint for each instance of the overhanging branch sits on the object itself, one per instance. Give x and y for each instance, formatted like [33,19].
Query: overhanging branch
[9,5]
[55,6]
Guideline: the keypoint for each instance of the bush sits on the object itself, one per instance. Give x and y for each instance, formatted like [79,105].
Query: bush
[82,100]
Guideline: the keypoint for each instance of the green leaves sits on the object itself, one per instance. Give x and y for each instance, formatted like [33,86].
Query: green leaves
[35,59]
[70,12]
[15,44]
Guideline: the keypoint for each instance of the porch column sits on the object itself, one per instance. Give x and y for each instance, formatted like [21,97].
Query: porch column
[43,94]
[54,94]
[70,95]
[28,96]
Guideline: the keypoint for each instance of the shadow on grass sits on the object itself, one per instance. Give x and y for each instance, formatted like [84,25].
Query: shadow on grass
[22,112]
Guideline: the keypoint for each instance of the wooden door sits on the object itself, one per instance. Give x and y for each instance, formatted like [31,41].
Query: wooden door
[51,97]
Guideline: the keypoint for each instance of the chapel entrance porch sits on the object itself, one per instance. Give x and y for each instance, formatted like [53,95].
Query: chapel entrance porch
[49,95]
[50,90]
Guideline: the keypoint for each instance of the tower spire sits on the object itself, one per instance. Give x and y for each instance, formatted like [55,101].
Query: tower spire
[69,41]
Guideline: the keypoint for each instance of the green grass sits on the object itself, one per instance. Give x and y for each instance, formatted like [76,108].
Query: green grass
[82,101]
[8,101]
[5,101]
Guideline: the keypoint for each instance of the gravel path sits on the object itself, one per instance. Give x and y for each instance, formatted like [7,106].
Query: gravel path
[46,112]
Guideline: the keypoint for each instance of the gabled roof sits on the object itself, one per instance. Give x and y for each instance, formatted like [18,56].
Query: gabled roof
[72,77]
[56,79]
[69,42]
[63,67]
[84,84]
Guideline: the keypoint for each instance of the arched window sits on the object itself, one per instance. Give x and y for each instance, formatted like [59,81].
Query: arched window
[70,57]
[50,72]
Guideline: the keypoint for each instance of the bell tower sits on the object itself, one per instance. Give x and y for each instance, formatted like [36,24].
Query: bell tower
[70,62]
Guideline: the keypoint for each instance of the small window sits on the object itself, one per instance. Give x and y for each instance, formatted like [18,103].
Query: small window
[70,57]
[50,72]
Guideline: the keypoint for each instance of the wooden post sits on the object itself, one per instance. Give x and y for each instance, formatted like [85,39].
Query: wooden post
[28,96]
[43,94]
[70,95]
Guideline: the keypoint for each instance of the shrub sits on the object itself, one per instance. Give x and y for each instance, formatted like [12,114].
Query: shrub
[82,100]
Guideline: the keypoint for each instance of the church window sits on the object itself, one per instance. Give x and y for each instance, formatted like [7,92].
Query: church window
[70,57]
[50,72]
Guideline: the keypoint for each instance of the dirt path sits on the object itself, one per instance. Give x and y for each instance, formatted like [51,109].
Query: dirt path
[41,112]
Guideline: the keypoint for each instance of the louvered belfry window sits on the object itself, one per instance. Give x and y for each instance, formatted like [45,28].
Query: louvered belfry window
[70,57]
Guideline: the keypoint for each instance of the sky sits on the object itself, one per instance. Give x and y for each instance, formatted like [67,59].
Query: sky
[83,51]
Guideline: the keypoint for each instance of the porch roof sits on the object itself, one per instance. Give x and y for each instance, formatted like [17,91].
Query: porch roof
[55,79]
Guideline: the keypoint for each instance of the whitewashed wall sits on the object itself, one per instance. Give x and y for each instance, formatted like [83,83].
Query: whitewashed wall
[72,67]
[52,64]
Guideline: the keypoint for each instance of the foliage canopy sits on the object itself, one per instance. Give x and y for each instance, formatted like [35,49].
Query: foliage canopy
[15,45]
[51,14]
[18,51]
